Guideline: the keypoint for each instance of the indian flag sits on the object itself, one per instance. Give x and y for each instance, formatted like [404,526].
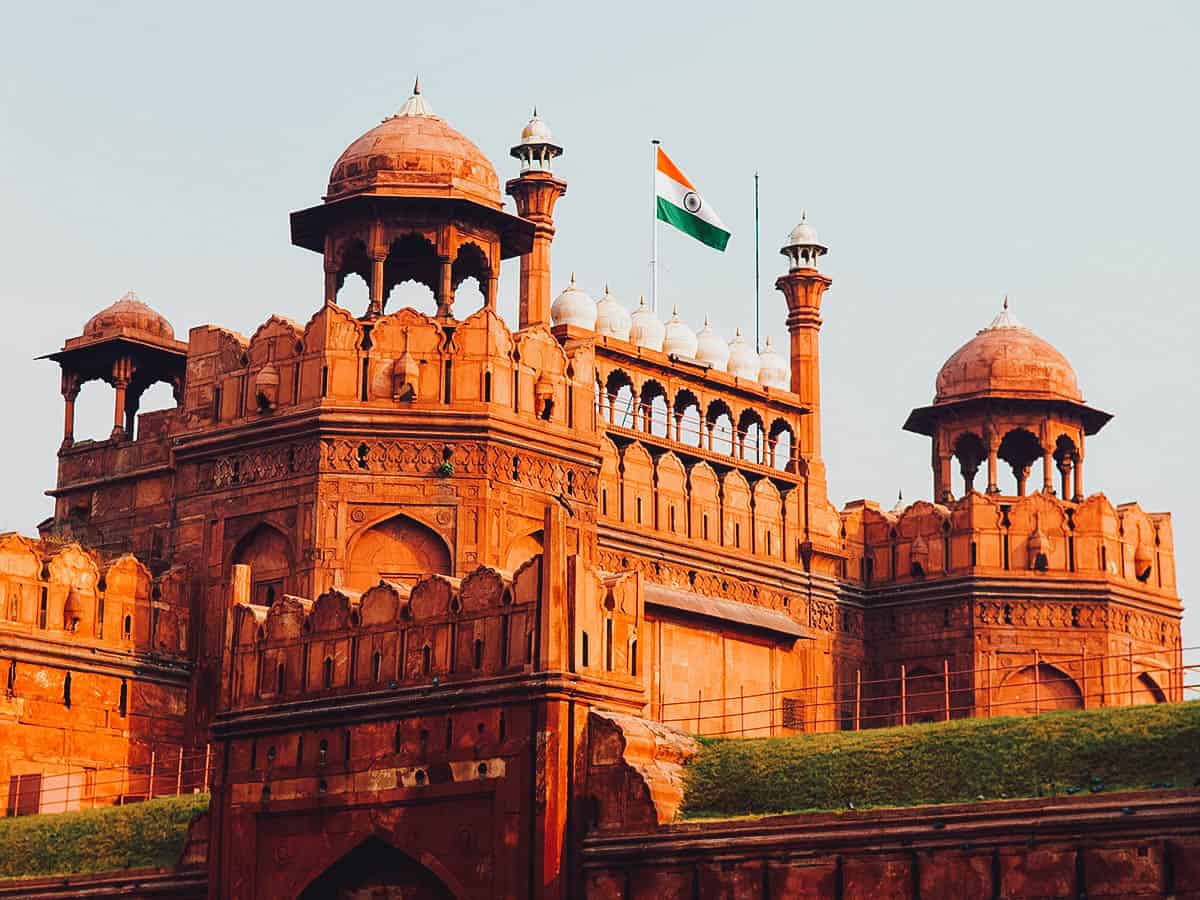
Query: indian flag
[680,204]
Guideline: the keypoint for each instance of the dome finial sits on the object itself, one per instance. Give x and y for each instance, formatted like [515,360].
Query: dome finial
[417,85]
[1006,301]
[535,115]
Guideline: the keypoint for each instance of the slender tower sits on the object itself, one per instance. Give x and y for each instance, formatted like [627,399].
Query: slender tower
[535,191]
[803,286]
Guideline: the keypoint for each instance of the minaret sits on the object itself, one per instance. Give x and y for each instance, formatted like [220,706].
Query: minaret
[536,191]
[803,286]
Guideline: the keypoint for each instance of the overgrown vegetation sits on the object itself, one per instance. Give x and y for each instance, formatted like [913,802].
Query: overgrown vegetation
[1052,754]
[98,840]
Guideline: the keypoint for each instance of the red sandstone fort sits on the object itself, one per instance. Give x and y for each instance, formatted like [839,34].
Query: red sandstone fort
[386,579]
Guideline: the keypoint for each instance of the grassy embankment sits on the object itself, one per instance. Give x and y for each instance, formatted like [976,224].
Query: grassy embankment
[140,835]
[1120,748]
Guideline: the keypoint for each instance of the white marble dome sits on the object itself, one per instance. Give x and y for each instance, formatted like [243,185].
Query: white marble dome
[574,307]
[773,369]
[711,349]
[743,360]
[647,330]
[612,319]
[678,338]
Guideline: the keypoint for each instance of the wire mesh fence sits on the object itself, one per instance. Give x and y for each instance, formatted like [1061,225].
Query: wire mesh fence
[1032,686]
[66,787]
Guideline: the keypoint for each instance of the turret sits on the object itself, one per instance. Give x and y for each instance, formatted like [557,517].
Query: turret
[536,191]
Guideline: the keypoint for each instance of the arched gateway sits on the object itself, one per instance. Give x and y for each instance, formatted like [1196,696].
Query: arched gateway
[375,870]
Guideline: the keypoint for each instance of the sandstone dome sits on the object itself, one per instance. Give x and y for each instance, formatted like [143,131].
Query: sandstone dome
[129,314]
[415,153]
[1006,359]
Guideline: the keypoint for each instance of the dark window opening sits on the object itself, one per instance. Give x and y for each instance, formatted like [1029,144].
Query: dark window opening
[100,616]
[604,501]
[324,381]
[365,379]
[478,654]
[1040,563]
[487,387]
[447,381]
[516,470]
[1071,553]
[737,534]
[974,554]
[584,650]
[633,670]
[363,455]
[376,665]
[10,687]
[1074,616]
[671,516]
[608,645]
[127,627]
[1007,614]
[327,672]
[426,659]
[280,679]
[639,510]
[704,525]
[67,691]
[396,739]
[123,702]
[502,726]
[43,609]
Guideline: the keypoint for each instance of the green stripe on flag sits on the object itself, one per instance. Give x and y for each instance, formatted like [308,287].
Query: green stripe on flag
[689,224]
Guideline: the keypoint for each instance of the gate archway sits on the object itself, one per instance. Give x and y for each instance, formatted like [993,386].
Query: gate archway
[375,870]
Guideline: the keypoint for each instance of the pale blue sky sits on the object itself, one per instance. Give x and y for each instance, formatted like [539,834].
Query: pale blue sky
[949,153]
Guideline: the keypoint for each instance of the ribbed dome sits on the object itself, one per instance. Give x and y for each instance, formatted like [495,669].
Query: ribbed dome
[646,329]
[612,319]
[126,315]
[743,360]
[415,153]
[710,348]
[678,338]
[773,369]
[574,307]
[1006,359]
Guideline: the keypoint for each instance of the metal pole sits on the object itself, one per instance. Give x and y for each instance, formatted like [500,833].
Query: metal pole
[150,789]
[179,774]
[699,700]
[757,330]
[989,686]
[903,696]
[654,225]
[1037,682]
[857,698]
[207,759]
[1083,670]
[946,686]
[742,702]
[1129,657]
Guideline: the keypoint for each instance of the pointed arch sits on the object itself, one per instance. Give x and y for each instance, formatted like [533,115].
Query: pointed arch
[398,549]
[376,868]
[268,553]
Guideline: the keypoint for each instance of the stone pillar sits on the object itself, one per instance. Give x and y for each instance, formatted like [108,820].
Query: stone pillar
[121,374]
[331,283]
[942,488]
[376,303]
[1078,477]
[445,293]
[536,192]
[1047,471]
[70,392]
[803,290]
[993,451]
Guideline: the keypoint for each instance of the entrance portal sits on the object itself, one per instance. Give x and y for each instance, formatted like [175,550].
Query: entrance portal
[376,871]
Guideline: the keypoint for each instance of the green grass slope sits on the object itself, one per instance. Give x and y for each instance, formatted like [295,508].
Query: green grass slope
[1030,756]
[98,840]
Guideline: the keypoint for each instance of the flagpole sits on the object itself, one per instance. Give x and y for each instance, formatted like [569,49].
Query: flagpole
[757,341]
[653,225]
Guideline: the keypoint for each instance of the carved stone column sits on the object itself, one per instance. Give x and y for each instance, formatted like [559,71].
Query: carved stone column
[70,392]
